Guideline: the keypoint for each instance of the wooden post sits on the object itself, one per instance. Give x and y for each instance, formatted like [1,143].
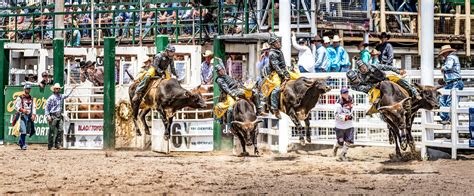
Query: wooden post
[467,28]
[457,22]
[383,22]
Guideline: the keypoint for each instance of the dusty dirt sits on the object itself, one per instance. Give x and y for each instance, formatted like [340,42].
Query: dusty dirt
[38,170]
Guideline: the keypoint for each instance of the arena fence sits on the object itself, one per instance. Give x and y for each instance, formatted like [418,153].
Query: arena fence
[369,130]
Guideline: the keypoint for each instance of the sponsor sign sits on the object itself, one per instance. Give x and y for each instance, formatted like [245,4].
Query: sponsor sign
[41,123]
[84,134]
[186,135]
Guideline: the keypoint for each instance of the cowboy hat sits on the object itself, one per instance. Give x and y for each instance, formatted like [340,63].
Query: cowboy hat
[384,35]
[446,48]
[374,52]
[56,86]
[317,38]
[336,38]
[265,46]
[326,39]
[208,53]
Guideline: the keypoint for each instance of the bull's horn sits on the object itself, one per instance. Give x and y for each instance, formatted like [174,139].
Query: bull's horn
[237,122]
[256,121]
[439,87]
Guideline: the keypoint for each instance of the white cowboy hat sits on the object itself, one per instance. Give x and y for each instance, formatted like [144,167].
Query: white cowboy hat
[55,86]
[326,39]
[265,46]
[446,48]
[336,38]
[208,53]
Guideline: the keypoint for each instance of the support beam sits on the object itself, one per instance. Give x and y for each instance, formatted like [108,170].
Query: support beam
[468,28]
[427,41]
[219,52]
[4,72]
[285,30]
[109,93]
[58,60]
[58,18]
[457,21]
[383,19]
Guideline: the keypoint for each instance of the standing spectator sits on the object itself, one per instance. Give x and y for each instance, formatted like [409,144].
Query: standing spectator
[320,54]
[207,67]
[26,108]
[364,52]
[47,79]
[53,111]
[451,70]
[263,62]
[374,57]
[339,58]
[386,49]
[305,56]
[344,125]
[149,17]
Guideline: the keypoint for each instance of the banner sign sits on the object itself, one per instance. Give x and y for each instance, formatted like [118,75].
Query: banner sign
[41,123]
[84,134]
[186,135]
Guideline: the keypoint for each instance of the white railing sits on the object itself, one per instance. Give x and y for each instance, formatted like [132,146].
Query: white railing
[370,131]
[84,100]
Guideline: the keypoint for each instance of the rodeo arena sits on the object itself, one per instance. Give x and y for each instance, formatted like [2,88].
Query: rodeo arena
[236,97]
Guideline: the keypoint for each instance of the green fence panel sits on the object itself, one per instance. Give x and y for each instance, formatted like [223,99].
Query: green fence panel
[41,124]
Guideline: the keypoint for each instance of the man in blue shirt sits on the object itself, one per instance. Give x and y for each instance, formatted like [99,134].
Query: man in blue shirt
[53,111]
[451,70]
[338,57]
[320,54]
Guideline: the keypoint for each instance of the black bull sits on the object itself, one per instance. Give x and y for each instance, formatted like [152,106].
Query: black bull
[244,125]
[167,97]
[298,98]
[398,110]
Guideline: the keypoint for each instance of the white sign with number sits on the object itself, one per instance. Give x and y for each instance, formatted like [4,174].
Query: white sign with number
[186,135]
[84,134]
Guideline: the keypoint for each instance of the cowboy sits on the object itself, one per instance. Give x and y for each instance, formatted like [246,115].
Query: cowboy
[451,70]
[26,108]
[161,62]
[386,49]
[305,56]
[231,90]
[322,62]
[373,74]
[279,73]
[338,56]
[207,67]
[144,69]
[53,111]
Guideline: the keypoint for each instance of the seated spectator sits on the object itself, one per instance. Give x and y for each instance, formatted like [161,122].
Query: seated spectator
[364,52]
[207,67]
[338,57]
[47,79]
[322,61]
[374,57]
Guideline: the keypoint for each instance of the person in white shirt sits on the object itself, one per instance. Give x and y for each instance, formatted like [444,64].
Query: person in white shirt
[344,125]
[305,56]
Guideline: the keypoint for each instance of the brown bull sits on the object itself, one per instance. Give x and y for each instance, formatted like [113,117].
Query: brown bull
[298,98]
[244,125]
[398,110]
[167,97]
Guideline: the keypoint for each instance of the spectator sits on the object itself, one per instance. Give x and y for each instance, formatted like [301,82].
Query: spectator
[338,57]
[451,70]
[263,62]
[53,111]
[186,15]
[26,108]
[322,61]
[207,68]
[386,49]
[374,57]
[344,125]
[305,56]
[364,52]
[149,18]
[47,79]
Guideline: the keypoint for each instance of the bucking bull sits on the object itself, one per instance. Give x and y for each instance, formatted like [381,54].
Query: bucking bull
[166,96]
[398,110]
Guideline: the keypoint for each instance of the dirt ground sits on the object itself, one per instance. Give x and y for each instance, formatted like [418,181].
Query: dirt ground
[38,170]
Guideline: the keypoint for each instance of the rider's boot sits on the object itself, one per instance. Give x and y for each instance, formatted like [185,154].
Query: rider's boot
[413,92]
[276,113]
[229,119]
[373,108]
[275,102]
[257,102]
